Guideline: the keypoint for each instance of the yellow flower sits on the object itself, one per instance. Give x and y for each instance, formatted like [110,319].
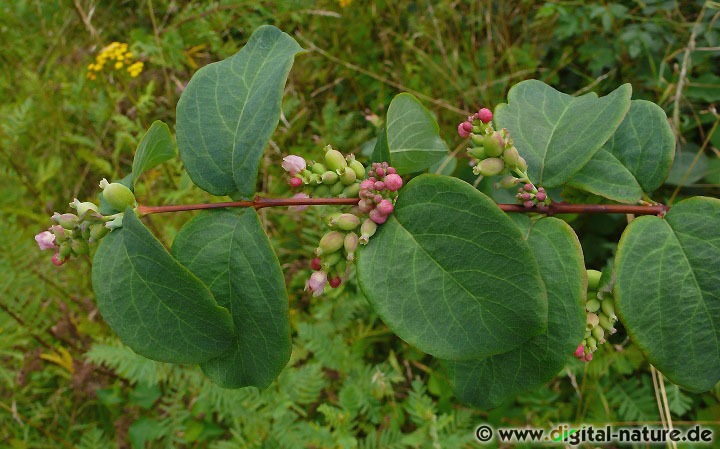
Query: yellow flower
[120,57]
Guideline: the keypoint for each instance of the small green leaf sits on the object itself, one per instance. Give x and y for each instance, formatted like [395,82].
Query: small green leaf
[230,252]
[230,108]
[606,176]
[155,305]
[413,135]
[687,170]
[668,290]
[450,273]
[556,133]
[156,147]
[488,382]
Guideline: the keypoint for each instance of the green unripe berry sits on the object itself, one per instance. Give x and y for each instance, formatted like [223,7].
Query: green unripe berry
[491,166]
[347,176]
[117,195]
[337,189]
[599,334]
[67,221]
[346,222]
[330,177]
[593,279]
[591,343]
[340,268]
[477,139]
[330,260]
[65,250]
[330,243]
[494,144]
[593,305]
[322,191]
[334,159]
[608,308]
[330,218]
[79,247]
[511,157]
[98,231]
[367,230]
[318,168]
[605,322]
[351,191]
[592,321]
[83,208]
[477,152]
[357,167]
[522,165]
[351,243]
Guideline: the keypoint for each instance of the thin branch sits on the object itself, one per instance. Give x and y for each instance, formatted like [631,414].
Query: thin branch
[552,209]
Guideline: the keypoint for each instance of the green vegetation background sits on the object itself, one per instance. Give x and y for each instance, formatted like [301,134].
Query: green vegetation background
[66,381]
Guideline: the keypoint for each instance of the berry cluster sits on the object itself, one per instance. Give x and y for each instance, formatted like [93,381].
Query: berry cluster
[494,154]
[344,177]
[73,234]
[600,318]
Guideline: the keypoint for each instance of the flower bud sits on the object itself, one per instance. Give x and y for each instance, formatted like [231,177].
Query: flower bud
[45,240]
[315,264]
[356,166]
[115,223]
[117,195]
[59,232]
[331,242]
[464,129]
[393,182]
[379,185]
[83,208]
[366,205]
[511,157]
[484,115]
[494,144]
[367,184]
[377,216]
[528,187]
[293,164]
[351,191]
[97,232]
[57,260]
[318,168]
[334,159]
[347,176]
[346,222]
[385,207]
[350,244]
[316,283]
[330,177]
[541,196]
[592,320]
[67,221]
[295,182]
[509,182]
[580,351]
[608,308]
[335,282]
[528,204]
[477,152]
[588,357]
[593,279]
[367,230]
[491,166]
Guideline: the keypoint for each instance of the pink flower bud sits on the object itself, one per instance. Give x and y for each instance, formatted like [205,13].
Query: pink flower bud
[57,260]
[366,205]
[367,185]
[379,185]
[45,240]
[541,196]
[377,216]
[484,115]
[335,282]
[385,207]
[293,164]
[390,171]
[316,283]
[377,199]
[528,204]
[295,182]
[301,207]
[393,182]
[588,357]
[528,187]
[463,131]
[580,351]
[315,264]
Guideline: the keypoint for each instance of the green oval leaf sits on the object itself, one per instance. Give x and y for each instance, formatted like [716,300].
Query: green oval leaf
[413,136]
[556,133]
[606,176]
[450,273]
[488,382]
[156,147]
[230,108]
[230,252]
[668,290]
[155,305]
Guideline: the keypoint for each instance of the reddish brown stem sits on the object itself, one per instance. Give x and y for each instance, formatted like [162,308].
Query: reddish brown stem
[554,208]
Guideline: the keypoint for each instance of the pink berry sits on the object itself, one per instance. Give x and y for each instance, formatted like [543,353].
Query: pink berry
[335,282]
[393,182]
[485,115]
[295,182]
[315,264]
